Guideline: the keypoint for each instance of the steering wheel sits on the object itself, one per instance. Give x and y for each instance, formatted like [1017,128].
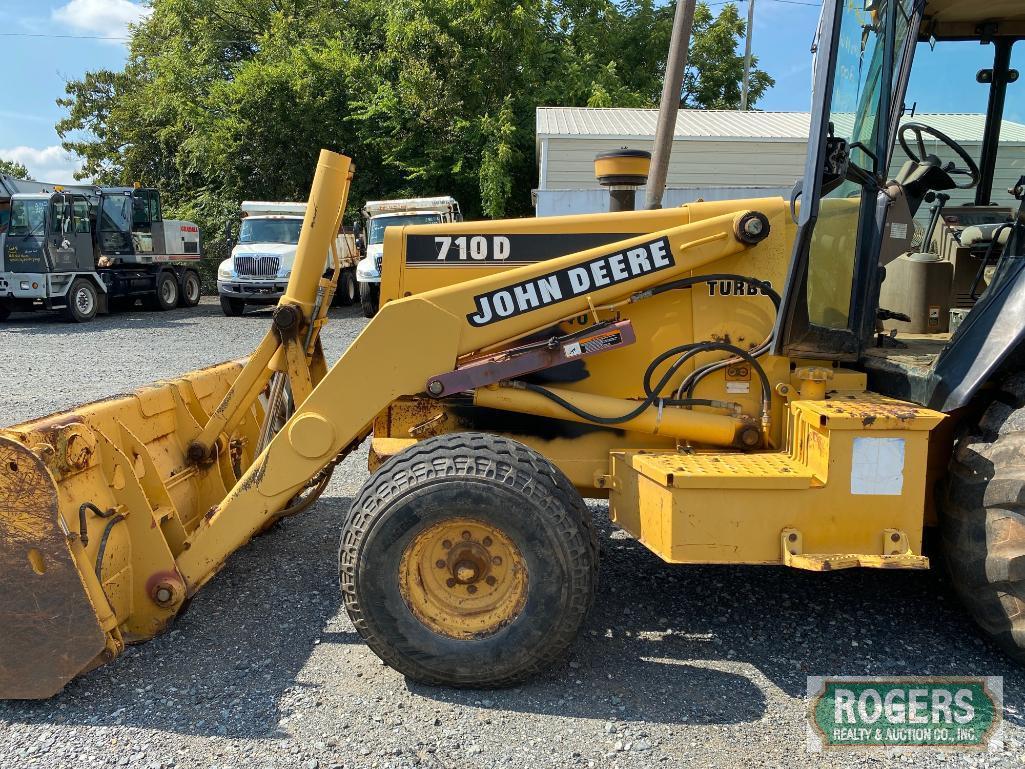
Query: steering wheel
[919,130]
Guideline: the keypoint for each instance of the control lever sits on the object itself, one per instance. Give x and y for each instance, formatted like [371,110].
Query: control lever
[889,338]
[884,314]
[934,219]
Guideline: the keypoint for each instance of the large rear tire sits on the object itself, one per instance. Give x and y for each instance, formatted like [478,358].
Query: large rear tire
[233,308]
[468,560]
[165,293]
[369,298]
[348,289]
[83,301]
[191,289]
[982,518]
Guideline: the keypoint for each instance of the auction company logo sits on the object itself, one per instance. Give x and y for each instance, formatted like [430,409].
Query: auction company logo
[951,712]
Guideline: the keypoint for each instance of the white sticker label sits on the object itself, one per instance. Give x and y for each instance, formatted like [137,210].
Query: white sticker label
[898,231]
[877,466]
[572,350]
[738,388]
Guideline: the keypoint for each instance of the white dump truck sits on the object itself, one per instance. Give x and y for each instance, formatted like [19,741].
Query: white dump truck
[379,214]
[261,260]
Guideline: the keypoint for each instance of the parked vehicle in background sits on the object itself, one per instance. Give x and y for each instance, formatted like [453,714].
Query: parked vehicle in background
[380,214]
[84,249]
[261,260]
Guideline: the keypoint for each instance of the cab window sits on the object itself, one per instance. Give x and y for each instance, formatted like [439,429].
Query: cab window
[82,216]
[60,216]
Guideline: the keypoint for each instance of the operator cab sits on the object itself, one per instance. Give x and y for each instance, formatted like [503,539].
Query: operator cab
[129,224]
[911,222]
[49,233]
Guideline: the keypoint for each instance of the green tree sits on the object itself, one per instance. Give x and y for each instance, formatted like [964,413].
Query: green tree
[715,69]
[15,169]
[222,100]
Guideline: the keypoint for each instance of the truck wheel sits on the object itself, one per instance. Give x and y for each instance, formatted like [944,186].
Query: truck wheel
[369,298]
[165,294]
[191,289]
[233,308]
[982,522]
[468,560]
[348,289]
[83,301]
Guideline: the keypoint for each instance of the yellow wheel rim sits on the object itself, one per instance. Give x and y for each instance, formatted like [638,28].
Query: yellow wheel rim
[463,578]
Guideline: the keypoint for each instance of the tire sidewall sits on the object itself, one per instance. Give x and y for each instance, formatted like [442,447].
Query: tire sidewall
[349,293]
[163,279]
[74,313]
[191,278]
[521,519]
[369,298]
[233,308]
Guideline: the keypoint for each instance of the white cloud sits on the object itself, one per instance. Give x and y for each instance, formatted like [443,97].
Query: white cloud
[49,164]
[105,18]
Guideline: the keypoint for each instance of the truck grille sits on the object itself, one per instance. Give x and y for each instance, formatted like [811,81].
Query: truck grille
[257,266]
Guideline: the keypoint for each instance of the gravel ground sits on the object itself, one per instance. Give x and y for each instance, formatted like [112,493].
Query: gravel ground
[677,666]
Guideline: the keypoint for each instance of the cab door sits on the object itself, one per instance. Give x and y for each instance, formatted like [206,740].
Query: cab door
[833,284]
[61,234]
[85,257]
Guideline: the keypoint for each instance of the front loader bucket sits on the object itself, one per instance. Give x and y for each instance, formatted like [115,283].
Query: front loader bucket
[51,630]
[96,504]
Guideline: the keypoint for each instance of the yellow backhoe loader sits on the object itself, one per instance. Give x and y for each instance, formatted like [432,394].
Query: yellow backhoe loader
[713,370]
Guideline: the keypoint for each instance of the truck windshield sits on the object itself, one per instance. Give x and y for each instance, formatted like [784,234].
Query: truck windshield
[379,223]
[28,216]
[270,231]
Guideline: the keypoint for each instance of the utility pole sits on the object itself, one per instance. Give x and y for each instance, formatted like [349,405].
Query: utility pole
[672,85]
[747,52]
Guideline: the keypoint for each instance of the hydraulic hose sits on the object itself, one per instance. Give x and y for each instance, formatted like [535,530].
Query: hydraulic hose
[641,407]
[686,352]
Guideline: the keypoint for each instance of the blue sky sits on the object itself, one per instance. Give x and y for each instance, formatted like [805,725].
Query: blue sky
[37,67]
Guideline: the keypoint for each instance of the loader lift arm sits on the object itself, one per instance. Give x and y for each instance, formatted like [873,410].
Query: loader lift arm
[425,335]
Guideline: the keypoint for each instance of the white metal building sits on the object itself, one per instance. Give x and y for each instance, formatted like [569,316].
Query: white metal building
[718,154]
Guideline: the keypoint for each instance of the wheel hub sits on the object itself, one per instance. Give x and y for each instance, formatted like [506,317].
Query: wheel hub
[463,578]
[84,301]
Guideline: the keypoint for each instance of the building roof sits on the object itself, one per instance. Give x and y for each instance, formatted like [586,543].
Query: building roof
[733,125]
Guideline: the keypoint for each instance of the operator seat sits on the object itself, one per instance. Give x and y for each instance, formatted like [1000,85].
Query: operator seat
[981,235]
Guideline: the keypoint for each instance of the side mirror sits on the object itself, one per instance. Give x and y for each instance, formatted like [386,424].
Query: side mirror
[360,245]
[228,238]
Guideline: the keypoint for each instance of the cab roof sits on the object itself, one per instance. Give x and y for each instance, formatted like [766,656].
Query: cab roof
[440,205]
[973,19]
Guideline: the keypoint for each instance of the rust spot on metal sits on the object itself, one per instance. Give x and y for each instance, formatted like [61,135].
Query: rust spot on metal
[868,420]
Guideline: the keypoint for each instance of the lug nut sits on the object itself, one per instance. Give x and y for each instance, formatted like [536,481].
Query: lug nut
[491,580]
[471,589]
[466,535]
[486,542]
[496,560]
[447,544]
[440,563]
[450,582]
